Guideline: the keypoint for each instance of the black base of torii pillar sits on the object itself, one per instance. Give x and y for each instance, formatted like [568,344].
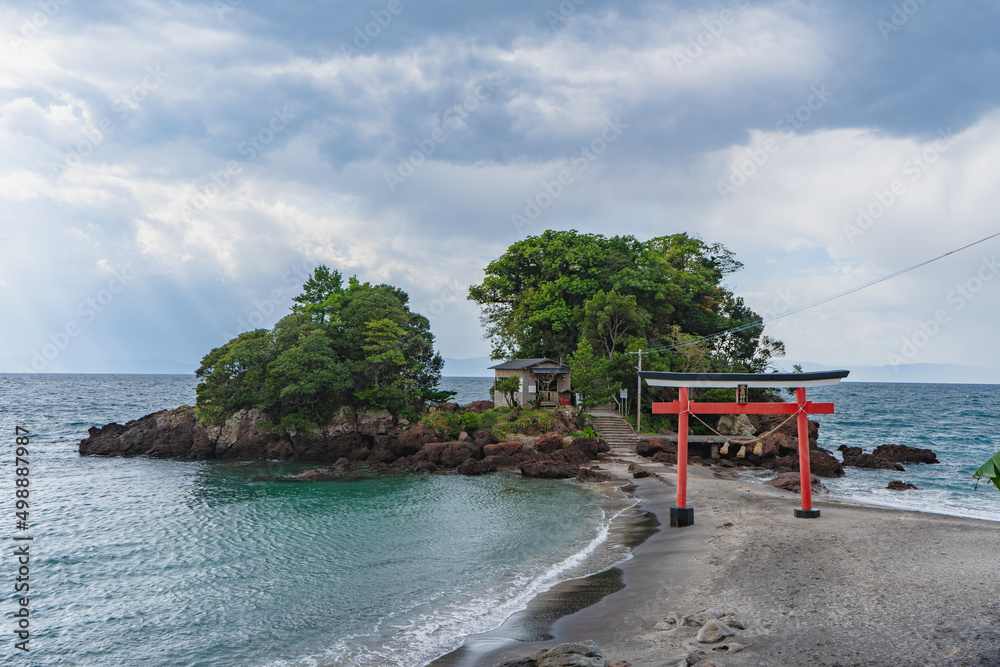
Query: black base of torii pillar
[681,515]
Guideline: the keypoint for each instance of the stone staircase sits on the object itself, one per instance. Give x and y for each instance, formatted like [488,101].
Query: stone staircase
[616,431]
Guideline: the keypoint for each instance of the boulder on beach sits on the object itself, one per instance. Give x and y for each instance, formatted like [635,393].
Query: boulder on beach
[582,654]
[792,481]
[899,485]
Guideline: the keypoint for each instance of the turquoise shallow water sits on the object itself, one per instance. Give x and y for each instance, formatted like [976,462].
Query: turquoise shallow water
[150,562]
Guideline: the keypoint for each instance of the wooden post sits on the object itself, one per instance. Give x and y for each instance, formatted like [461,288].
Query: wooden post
[805,475]
[682,515]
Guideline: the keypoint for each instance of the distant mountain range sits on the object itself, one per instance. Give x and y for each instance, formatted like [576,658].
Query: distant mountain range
[479,367]
[931,373]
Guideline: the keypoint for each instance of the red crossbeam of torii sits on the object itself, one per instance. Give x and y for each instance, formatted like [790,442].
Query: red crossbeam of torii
[682,515]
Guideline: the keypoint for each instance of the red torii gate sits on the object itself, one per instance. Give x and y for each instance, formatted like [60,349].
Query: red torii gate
[682,515]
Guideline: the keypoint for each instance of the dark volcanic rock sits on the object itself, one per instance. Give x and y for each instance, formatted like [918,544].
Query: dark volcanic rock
[588,475]
[381,455]
[411,440]
[568,417]
[649,446]
[359,454]
[764,423]
[454,453]
[317,475]
[591,447]
[821,462]
[872,462]
[423,466]
[639,474]
[479,407]
[445,407]
[549,442]
[510,448]
[501,462]
[484,437]
[575,456]
[546,468]
[905,454]
[792,481]
[667,458]
[898,485]
[473,467]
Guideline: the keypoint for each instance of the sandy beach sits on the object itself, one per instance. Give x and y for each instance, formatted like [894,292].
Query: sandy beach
[861,585]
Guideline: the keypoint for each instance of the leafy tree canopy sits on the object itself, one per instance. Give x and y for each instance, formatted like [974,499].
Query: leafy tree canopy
[358,345]
[549,294]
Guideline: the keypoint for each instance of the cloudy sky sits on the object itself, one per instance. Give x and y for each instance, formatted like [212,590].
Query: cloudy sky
[170,171]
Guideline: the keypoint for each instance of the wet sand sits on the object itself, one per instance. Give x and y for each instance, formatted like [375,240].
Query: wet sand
[860,585]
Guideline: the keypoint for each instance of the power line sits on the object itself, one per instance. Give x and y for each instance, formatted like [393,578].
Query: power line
[761,322]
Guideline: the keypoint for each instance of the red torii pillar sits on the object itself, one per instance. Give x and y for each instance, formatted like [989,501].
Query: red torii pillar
[682,515]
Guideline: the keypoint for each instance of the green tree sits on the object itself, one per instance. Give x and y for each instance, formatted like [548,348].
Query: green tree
[534,299]
[319,293]
[509,388]
[358,345]
[590,376]
[609,318]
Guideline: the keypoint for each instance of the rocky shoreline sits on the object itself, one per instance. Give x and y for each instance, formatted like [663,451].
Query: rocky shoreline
[375,441]
[355,439]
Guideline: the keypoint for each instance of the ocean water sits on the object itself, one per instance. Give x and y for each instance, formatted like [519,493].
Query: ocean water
[143,562]
[151,562]
[961,423]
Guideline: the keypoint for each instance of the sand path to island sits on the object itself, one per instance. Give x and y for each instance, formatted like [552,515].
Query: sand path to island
[861,585]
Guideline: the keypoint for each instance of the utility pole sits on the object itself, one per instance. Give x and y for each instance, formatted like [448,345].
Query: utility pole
[638,398]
